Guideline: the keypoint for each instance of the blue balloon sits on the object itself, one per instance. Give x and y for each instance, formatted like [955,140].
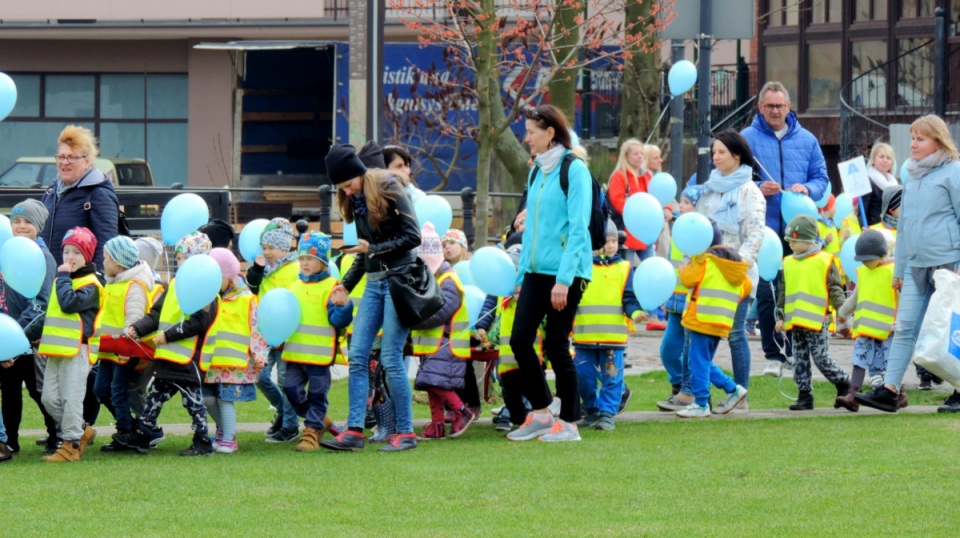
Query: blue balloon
[770,258]
[13,342]
[334,271]
[23,265]
[692,233]
[825,199]
[198,283]
[904,174]
[663,187]
[474,298]
[435,210]
[249,242]
[847,253]
[654,282]
[8,95]
[844,207]
[463,271]
[643,217]
[493,271]
[278,316]
[794,203]
[6,231]
[182,214]
[682,77]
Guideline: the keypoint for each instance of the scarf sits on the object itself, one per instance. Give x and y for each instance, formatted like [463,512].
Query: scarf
[316,277]
[723,184]
[817,247]
[918,169]
[890,221]
[290,257]
[550,159]
[881,179]
[359,203]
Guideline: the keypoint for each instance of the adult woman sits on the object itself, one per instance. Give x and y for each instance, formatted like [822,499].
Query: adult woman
[555,265]
[399,159]
[732,199]
[652,157]
[928,238]
[628,178]
[80,196]
[881,165]
[388,235]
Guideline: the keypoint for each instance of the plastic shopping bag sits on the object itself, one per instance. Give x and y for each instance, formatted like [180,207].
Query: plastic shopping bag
[938,344]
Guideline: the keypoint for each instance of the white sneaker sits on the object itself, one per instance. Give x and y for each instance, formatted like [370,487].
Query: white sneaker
[773,369]
[876,381]
[554,407]
[561,431]
[694,411]
[533,427]
[730,402]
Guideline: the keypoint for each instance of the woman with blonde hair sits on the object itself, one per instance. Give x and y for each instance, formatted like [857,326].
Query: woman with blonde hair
[629,178]
[653,157]
[881,176]
[928,238]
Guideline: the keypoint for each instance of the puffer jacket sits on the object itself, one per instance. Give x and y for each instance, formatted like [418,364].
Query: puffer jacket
[794,159]
[442,369]
[68,211]
[733,269]
[928,233]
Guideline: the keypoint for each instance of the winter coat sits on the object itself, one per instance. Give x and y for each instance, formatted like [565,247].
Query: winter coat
[392,244]
[67,211]
[794,159]
[928,233]
[733,269]
[196,324]
[739,212]
[30,313]
[622,185]
[442,369]
[556,240]
[84,301]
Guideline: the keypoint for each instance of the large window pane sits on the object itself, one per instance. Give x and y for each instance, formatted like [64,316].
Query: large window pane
[28,96]
[167,96]
[27,139]
[781,65]
[867,10]
[167,152]
[915,73]
[121,97]
[917,8]
[793,12]
[69,96]
[775,13]
[868,55]
[826,11]
[824,89]
[869,90]
[122,140]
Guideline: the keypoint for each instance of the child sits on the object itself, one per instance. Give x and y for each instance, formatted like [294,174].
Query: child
[811,274]
[233,353]
[600,333]
[313,347]
[872,319]
[827,229]
[443,343]
[126,301]
[67,329]
[717,280]
[179,346]
[276,268]
[890,217]
[455,248]
[149,250]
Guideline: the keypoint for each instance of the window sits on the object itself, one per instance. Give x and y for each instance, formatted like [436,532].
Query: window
[868,55]
[783,13]
[917,8]
[870,10]
[827,11]
[135,116]
[824,83]
[915,73]
[781,65]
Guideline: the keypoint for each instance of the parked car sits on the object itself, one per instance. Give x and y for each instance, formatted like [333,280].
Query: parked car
[41,171]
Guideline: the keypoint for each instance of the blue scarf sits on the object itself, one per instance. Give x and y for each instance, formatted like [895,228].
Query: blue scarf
[359,204]
[316,277]
[723,184]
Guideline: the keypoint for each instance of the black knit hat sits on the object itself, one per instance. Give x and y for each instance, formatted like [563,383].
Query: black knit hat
[343,164]
[372,156]
[220,232]
[871,245]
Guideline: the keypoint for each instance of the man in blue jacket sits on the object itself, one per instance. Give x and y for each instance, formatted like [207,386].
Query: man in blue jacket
[788,158]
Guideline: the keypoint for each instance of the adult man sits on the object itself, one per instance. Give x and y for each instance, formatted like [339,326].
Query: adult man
[788,158]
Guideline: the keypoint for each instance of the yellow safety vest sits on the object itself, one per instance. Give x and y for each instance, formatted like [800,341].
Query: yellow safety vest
[825,230]
[315,341]
[507,313]
[113,315]
[63,333]
[850,223]
[676,258]
[155,292]
[227,344]
[717,299]
[180,351]
[806,292]
[426,342]
[880,226]
[876,302]
[600,318]
[283,277]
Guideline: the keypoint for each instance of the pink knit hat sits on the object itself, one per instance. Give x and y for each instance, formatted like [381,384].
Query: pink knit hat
[229,264]
[431,248]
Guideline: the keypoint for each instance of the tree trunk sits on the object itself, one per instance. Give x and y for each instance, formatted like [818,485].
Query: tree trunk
[563,85]
[488,90]
[641,79]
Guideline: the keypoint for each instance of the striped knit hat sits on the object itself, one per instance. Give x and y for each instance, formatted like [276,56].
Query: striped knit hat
[123,250]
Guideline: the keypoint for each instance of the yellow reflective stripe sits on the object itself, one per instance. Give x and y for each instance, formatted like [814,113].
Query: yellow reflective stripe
[804,315]
[807,297]
[873,324]
[111,329]
[231,353]
[600,328]
[62,341]
[613,310]
[713,293]
[61,323]
[176,352]
[316,330]
[716,310]
[235,338]
[878,308]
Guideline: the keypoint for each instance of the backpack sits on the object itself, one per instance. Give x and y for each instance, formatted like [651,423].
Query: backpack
[123,227]
[599,211]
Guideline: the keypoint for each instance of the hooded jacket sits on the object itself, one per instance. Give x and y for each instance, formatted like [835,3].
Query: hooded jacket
[733,269]
[928,233]
[442,369]
[68,210]
[886,197]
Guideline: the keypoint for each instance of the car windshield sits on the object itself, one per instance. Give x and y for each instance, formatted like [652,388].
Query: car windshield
[27,174]
[133,175]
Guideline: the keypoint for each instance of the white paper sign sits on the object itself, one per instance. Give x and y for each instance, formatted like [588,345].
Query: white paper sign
[853,175]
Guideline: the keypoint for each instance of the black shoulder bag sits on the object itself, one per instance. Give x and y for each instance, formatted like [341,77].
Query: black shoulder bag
[414,291]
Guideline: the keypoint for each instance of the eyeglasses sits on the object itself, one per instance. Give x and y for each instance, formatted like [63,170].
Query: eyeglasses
[68,158]
[776,107]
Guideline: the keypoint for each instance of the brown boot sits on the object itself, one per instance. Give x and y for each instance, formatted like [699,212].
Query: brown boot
[68,451]
[89,434]
[848,401]
[309,440]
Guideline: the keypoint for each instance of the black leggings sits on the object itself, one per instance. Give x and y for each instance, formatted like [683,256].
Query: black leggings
[532,307]
[23,372]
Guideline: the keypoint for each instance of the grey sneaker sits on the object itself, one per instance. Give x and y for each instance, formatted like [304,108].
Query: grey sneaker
[606,422]
[554,406]
[533,427]
[589,421]
[677,402]
[732,400]
[561,431]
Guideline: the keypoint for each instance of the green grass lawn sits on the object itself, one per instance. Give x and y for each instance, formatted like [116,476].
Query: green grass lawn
[826,476]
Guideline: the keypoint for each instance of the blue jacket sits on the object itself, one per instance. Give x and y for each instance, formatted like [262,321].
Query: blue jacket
[928,233]
[796,158]
[30,313]
[67,211]
[556,240]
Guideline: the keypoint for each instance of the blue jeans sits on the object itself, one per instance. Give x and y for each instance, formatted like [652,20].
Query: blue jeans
[767,320]
[910,312]
[272,392]
[703,371]
[671,348]
[112,388]
[739,349]
[591,369]
[306,387]
[377,311]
